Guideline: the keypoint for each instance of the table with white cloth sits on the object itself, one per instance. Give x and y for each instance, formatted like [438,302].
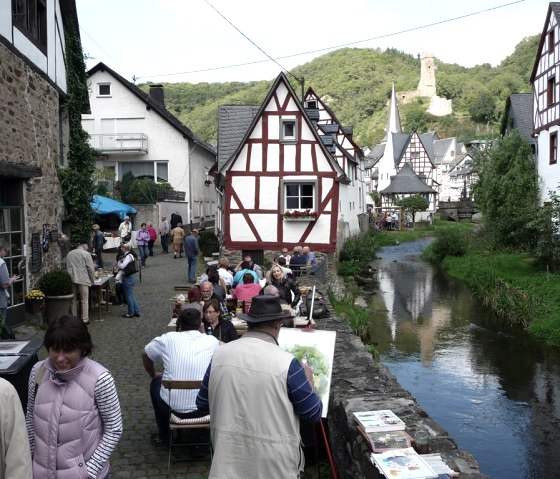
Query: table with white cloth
[112,242]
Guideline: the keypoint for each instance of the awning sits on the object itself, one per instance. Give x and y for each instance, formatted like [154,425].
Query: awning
[105,206]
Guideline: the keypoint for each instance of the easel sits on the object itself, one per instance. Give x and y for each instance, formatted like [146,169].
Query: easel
[327,448]
[321,422]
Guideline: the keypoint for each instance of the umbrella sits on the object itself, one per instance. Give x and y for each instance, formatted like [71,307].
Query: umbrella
[104,206]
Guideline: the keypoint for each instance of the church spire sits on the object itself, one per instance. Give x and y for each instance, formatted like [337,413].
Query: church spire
[394,122]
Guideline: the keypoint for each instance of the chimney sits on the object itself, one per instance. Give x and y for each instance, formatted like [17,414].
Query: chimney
[156,93]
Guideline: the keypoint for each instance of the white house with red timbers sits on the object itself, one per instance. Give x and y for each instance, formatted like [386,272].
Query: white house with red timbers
[545,79]
[286,174]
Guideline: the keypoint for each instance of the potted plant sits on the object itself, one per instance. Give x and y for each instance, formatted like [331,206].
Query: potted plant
[34,301]
[57,287]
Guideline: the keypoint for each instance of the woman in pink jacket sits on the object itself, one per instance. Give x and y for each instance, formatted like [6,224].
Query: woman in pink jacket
[74,419]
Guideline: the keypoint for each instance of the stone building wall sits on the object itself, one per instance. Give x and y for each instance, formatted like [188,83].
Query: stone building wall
[30,133]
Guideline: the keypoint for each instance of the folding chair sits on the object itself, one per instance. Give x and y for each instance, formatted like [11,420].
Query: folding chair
[178,424]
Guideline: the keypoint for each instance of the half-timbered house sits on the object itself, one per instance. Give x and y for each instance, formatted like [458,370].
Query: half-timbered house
[546,106]
[286,174]
[396,150]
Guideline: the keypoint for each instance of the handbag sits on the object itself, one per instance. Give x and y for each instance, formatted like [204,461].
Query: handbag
[130,268]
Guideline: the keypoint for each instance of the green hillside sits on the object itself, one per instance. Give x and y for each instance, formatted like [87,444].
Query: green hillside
[356,83]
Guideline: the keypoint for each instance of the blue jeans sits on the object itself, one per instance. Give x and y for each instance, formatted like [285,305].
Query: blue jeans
[143,249]
[128,286]
[192,268]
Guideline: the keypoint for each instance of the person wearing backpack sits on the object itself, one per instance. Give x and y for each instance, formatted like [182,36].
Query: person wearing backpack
[128,266]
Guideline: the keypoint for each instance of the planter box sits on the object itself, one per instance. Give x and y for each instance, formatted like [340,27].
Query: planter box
[34,307]
[57,306]
[300,219]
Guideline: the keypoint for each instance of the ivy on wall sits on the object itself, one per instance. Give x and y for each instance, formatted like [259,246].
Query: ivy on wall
[76,179]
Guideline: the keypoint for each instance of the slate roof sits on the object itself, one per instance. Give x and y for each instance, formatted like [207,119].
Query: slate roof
[329,129]
[400,140]
[154,105]
[428,140]
[406,181]
[233,123]
[441,147]
[520,112]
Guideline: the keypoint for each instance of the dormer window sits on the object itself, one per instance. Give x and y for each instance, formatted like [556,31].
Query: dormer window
[288,130]
[104,89]
[312,104]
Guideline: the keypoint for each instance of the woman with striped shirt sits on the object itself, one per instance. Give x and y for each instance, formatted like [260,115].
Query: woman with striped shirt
[73,418]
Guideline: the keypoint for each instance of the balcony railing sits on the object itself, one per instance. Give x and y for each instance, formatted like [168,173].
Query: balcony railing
[115,142]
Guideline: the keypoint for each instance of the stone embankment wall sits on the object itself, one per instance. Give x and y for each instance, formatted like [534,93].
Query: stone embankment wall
[359,383]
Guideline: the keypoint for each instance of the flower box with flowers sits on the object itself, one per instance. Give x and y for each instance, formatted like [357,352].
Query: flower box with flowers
[300,215]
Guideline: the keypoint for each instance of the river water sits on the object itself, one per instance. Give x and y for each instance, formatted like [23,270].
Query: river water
[494,389]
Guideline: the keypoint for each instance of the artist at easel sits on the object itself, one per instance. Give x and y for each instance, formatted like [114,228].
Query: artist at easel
[256,393]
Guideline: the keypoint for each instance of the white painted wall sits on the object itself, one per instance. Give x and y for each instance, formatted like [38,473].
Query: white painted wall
[187,162]
[549,175]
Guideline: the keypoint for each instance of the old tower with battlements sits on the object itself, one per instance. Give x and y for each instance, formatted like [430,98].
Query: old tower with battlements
[427,88]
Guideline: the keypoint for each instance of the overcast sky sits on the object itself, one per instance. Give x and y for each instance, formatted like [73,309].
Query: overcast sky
[154,40]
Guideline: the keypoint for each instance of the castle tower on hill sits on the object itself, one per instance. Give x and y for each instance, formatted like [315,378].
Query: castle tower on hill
[427,88]
[427,83]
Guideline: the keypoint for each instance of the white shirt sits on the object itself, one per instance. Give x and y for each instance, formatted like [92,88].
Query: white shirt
[186,356]
[226,276]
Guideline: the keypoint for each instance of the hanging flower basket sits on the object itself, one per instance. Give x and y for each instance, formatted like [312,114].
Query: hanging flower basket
[300,215]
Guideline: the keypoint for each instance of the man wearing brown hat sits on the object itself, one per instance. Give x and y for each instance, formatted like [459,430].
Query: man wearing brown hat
[256,393]
[80,266]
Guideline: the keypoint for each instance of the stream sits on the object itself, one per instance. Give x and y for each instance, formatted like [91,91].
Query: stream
[491,386]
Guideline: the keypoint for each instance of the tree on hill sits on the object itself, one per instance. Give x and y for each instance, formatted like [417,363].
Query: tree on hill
[358,81]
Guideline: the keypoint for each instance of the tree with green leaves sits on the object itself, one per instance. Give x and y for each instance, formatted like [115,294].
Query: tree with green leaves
[143,191]
[125,185]
[507,192]
[545,228]
[76,179]
[413,204]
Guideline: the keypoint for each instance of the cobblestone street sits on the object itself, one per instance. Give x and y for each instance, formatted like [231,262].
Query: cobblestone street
[118,344]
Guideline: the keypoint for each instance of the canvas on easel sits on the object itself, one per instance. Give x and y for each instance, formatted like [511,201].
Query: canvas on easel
[315,347]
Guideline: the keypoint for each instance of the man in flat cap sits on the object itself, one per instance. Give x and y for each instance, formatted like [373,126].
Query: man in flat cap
[256,393]
[79,264]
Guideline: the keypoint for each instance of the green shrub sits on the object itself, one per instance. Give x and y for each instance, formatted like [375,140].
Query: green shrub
[449,242]
[351,268]
[56,282]
[208,243]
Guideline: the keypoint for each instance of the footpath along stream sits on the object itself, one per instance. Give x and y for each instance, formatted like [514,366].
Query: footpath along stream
[492,387]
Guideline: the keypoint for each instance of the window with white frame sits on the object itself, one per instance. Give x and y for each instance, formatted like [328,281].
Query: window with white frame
[288,130]
[311,104]
[300,195]
[104,89]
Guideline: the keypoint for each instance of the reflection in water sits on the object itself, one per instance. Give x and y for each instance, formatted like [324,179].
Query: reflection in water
[494,389]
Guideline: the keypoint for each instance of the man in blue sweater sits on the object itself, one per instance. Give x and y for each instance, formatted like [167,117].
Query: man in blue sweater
[191,247]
